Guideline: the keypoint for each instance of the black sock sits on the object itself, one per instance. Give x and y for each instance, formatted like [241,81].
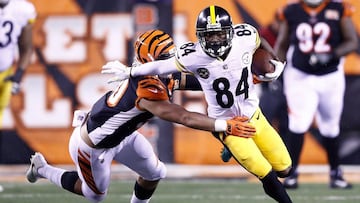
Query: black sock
[273,187]
[331,146]
[68,180]
[295,144]
[142,193]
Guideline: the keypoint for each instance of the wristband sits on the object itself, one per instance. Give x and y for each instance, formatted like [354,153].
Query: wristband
[220,125]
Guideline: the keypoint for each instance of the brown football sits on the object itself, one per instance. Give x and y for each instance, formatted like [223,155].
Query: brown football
[261,62]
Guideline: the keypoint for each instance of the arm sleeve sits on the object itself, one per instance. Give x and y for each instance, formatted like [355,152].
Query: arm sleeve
[155,68]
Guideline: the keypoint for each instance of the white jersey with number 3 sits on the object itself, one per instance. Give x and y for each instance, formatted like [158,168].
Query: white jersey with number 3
[227,84]
[13,17]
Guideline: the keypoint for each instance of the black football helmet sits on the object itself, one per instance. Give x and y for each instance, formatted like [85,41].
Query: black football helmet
[214,30]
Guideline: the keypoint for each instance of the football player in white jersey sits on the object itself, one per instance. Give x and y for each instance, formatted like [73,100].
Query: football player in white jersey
[16,19]
[221,61]
[108,131]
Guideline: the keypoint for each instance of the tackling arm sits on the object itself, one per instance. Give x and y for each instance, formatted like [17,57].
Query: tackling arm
[175,113]
[172,112]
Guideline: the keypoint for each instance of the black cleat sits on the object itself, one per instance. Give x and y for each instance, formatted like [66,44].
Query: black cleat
[337,181]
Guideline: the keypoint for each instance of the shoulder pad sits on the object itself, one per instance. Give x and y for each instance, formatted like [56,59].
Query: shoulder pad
[348,9]
[248,33]
[185,55]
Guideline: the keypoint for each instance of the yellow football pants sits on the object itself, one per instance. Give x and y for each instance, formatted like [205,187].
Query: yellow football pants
[264,152]
[5,92]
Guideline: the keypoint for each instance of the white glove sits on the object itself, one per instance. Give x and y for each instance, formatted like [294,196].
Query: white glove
[118,69]
[268,77]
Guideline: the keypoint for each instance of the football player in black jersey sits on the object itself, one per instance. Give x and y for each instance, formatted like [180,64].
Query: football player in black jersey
[314,36]
[109,131]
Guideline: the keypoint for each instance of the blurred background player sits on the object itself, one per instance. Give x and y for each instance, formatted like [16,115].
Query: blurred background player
[315,35]
[108,131]
[16,19]
[229,90]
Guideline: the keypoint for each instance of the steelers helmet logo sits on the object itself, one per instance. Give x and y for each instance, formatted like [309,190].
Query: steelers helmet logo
[203,73]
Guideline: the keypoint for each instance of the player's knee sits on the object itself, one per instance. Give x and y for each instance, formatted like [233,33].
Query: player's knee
[156,172]
[93,196]
[284,173]
[161,171]
[299,126]
[71,182]
[93,193]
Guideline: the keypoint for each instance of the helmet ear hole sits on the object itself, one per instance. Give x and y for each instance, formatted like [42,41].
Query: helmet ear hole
[154,45]
[211,21]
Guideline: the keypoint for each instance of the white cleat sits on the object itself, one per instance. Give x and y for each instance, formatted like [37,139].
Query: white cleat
[37,161]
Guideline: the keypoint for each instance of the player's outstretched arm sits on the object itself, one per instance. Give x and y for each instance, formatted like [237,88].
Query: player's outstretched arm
[123,72]
[238,126]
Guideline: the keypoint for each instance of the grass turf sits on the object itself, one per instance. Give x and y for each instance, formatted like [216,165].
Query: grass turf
[181,191]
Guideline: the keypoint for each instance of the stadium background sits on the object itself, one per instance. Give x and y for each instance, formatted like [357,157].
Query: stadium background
[74,38]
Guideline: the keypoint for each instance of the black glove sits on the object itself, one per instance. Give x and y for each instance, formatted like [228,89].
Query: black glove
[15,79]
[321,58]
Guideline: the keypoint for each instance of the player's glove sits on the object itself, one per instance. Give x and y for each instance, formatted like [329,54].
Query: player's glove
[120,71]
[321,58]
[15,79]
[237,126]
[268,77]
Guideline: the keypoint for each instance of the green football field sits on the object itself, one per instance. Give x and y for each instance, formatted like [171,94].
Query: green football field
[180,191]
